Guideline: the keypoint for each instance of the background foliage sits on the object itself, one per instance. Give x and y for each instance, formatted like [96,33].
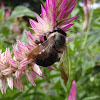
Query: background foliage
[84,60]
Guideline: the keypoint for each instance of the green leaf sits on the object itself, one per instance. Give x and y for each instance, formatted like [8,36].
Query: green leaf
[96,97]
[2,13]
[21,11]
[24,38]
[64,67]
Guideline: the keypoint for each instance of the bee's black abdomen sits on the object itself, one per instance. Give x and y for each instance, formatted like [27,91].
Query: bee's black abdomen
[45,62]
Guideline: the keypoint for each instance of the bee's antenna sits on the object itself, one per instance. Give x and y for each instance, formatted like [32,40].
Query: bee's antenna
[56,22]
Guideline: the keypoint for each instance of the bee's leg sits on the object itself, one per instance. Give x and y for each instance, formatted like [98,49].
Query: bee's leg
[38,41]
[44,37]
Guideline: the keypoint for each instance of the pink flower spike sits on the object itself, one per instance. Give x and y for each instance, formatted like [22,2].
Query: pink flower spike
[51,67]
[37,69]
[30,76]
[3,85]
[73,92]
[10,82]
[2,5]
[18,83]
[7,13]
[85,2]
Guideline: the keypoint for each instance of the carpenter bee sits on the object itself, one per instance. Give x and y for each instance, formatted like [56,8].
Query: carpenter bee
[50,50]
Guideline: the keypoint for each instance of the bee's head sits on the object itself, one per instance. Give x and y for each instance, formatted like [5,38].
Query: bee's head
[56,29]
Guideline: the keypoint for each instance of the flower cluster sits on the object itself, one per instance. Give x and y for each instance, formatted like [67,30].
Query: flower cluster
[55,14]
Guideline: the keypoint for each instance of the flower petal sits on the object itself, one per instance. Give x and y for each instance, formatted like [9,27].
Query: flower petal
[37,70]
[73,92]
[51,67]
[10,81]
[18,83]
[3,85]
[30,75]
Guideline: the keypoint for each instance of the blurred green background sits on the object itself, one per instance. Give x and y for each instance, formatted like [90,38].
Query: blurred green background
[84,61]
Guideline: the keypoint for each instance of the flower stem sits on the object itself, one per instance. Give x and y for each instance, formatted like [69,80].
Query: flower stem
[87,32]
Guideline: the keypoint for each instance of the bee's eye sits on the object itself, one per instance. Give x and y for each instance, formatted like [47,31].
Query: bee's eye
[38,41]
[56,29]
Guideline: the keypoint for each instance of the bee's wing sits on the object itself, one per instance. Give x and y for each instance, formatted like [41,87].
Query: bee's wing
[45,45]
[48,45]
[35,52]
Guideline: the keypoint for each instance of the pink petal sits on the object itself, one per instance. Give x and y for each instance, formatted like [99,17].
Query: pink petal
[31,37]
[3,85]
[66,21]
[44,15]
[33,23]
[40,20]
[37,70]
[63,4]
[7,55]
[30,47]
[30,75]
[22,47]
[23,64]
[10,81]
[18,55]
[7,71]
[70,10]
[42,76]
[18,83]
[51,67]
[9,59]
[61,15]
[73,92]
[2,66]
[18,73]
[65,27]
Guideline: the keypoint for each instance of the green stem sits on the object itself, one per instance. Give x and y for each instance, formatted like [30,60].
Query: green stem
[87,32]
[31,87]
[70,76]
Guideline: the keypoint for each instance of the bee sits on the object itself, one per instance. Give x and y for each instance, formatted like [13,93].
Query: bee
[50,50]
